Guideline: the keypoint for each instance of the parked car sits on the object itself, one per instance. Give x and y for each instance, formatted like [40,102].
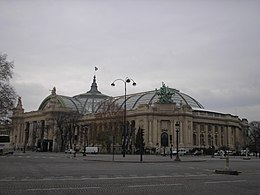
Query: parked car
[182,152]
[90,150]
[197,153]
[69,151]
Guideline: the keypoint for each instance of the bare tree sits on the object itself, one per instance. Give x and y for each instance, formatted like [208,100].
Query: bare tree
[66,126]
[254,136]
[7,93]
[111,115]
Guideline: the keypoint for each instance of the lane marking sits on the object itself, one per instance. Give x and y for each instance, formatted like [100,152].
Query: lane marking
[80,178]
[231,181]
[52,189]
[156,185]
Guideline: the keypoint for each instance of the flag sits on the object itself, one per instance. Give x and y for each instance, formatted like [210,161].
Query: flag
[96,68]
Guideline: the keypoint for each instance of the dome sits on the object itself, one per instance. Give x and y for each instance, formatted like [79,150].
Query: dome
[94,101]
[83,103]
[151,97]
[90,99]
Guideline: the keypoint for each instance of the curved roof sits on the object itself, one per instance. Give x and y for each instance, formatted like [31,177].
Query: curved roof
[150,97]
[83,103]
[94,101]
[64,101]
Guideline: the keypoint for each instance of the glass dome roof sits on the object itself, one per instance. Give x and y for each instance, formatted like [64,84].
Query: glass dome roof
[150,97]
[94,101]
[84,103]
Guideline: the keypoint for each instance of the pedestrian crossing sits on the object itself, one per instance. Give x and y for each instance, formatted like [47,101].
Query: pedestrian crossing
[103,177]
[36,156]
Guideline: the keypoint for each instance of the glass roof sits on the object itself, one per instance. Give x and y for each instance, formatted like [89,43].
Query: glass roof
[84,103]
[150,97]
[92,101]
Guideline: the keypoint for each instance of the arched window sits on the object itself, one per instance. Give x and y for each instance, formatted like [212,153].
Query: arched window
[216,139]
[222,136]
[210,140]
[202,141]
[164,139]
[194,139]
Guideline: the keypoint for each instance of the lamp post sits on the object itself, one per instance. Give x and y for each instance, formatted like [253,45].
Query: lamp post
[177,125]
[26,131]
[212,146]
[85,129]
[202,141]
[42,134]
[113,143]
[125,81]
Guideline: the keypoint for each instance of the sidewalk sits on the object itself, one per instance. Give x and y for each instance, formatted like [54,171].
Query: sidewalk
[136,158]
[129,158]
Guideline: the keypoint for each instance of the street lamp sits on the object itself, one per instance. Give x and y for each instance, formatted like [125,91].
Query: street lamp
[26,131]
[212,146]
[177,125]
[85,129]
[125,81]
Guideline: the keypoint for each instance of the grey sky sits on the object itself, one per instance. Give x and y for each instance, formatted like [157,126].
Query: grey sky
[207,49]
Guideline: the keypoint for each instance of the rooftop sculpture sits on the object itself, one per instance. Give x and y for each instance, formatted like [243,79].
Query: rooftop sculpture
[165,94]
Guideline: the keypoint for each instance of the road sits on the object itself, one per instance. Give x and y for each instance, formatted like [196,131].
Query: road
[57,173]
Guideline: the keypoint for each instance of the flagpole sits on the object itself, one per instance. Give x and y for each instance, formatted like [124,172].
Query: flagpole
[95,70]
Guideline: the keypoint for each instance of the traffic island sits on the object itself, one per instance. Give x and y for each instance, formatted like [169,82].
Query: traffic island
[246,158]
[227,172]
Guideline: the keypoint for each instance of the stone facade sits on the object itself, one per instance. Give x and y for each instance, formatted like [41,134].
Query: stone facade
[198,128]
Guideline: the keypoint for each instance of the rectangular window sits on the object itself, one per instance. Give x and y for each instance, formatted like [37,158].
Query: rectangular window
[201,128]
[4,139]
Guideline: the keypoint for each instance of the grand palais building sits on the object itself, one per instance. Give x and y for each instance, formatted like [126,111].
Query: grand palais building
[95,119]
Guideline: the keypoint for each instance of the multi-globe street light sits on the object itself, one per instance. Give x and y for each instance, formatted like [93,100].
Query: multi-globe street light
[125,81]
[85,131]
[177,125]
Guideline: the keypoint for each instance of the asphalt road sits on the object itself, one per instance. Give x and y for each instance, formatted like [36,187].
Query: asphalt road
[57,173]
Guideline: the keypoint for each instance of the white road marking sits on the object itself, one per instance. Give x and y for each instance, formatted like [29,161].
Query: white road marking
[231,181]
[156,185]
[52,189]
[71,178]
[207,170]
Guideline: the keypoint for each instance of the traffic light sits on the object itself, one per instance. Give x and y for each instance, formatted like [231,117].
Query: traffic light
[141,144]
[142,135]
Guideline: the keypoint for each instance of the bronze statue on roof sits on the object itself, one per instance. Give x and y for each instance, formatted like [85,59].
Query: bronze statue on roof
[165,94]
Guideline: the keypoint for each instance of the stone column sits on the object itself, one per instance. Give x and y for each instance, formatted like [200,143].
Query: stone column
[228,136]
[155,132]
[29,138]
[181,132]
[146,131]
[172,132]
[158,133]
[219,135]
[206,136]
[150,131]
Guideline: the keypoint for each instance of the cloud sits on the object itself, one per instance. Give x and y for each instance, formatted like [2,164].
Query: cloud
[208,50]
[32,94]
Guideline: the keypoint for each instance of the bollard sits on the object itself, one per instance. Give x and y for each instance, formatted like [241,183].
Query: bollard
[227,162]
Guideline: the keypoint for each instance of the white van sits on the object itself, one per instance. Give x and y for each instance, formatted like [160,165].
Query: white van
[91,150]
[5,145]
[182,152]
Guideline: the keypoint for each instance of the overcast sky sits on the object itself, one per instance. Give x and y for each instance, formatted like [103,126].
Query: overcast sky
[209,50]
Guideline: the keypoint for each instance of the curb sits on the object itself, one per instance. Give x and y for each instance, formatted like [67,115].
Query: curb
[227,172]
[132,161]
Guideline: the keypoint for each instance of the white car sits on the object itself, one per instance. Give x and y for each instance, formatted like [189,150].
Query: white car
[69,151]
[181,152]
